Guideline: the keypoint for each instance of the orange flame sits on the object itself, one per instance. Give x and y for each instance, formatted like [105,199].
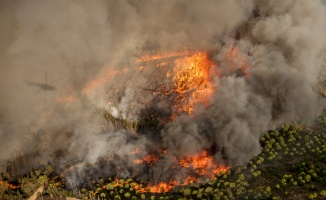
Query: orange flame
[200,166]
[192,75]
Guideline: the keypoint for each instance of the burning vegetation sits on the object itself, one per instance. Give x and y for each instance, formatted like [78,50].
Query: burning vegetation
[168,94]
[196,168]
[185,81]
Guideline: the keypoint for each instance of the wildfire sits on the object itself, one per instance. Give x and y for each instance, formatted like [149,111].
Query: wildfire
[197,167]
[185,81]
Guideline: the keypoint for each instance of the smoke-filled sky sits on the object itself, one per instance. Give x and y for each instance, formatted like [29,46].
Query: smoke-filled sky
[66,44]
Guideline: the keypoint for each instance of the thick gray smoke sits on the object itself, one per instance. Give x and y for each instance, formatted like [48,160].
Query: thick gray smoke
[67,44]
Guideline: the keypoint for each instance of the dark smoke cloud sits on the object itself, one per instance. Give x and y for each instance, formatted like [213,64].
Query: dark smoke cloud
[75,41]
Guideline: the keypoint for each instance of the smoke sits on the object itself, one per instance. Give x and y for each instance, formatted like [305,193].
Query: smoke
[68,44]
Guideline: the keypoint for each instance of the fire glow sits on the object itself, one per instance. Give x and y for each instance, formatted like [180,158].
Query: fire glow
[190,78]
[192,74]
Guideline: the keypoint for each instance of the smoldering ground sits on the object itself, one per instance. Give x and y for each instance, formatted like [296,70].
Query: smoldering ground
[76,41]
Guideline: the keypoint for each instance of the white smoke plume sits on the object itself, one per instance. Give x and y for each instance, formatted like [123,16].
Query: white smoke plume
[66,44]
